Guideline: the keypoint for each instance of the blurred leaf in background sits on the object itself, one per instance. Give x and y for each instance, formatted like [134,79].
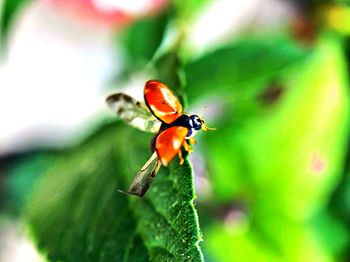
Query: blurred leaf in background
[142,39]
[286,158]
[9,9]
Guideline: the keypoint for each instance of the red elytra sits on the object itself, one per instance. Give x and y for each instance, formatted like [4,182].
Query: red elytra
[164,105]
[162,102]
[169,142]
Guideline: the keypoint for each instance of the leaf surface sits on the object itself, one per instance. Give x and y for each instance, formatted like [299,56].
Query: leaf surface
[76,213]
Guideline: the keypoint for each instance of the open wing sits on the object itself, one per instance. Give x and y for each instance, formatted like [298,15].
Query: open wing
[161,101]
[169,143]
[144,177]
[133,112]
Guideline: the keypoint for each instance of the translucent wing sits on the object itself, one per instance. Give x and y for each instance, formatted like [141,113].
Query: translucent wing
[169,143]
[133,112]
[161,101]
[144,177]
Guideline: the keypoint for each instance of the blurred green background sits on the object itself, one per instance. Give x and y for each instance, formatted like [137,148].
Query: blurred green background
[270,184]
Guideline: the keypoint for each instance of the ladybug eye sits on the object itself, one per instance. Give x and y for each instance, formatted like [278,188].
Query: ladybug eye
[197,123]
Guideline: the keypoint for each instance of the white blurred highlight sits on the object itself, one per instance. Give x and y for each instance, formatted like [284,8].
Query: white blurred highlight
[52,78]
[15,246]
[218,18]
[134,7]
[222,19]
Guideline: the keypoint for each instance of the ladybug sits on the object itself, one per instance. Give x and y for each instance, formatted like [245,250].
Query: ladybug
[162,114]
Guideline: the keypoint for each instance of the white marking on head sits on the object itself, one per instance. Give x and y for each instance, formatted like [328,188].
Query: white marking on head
[191,122]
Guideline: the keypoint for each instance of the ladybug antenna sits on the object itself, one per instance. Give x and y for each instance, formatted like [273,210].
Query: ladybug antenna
[206,128]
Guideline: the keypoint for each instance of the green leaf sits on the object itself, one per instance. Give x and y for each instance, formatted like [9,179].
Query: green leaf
[283,162]
[21,177]
[141,40]
[339,207]
[340,204]
[76,214]
[187,10]
[9,10]
[292,242]
[241,68]
[300,116]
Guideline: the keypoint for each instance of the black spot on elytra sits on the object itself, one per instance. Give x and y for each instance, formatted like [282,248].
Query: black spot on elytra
[271,94]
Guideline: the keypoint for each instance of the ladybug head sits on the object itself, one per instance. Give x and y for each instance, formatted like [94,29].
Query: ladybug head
[196,122]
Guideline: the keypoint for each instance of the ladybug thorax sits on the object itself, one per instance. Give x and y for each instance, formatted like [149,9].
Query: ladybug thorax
[192,122]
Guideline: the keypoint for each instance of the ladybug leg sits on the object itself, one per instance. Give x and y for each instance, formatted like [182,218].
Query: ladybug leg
[179,153]
[187,147]
[192,141]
